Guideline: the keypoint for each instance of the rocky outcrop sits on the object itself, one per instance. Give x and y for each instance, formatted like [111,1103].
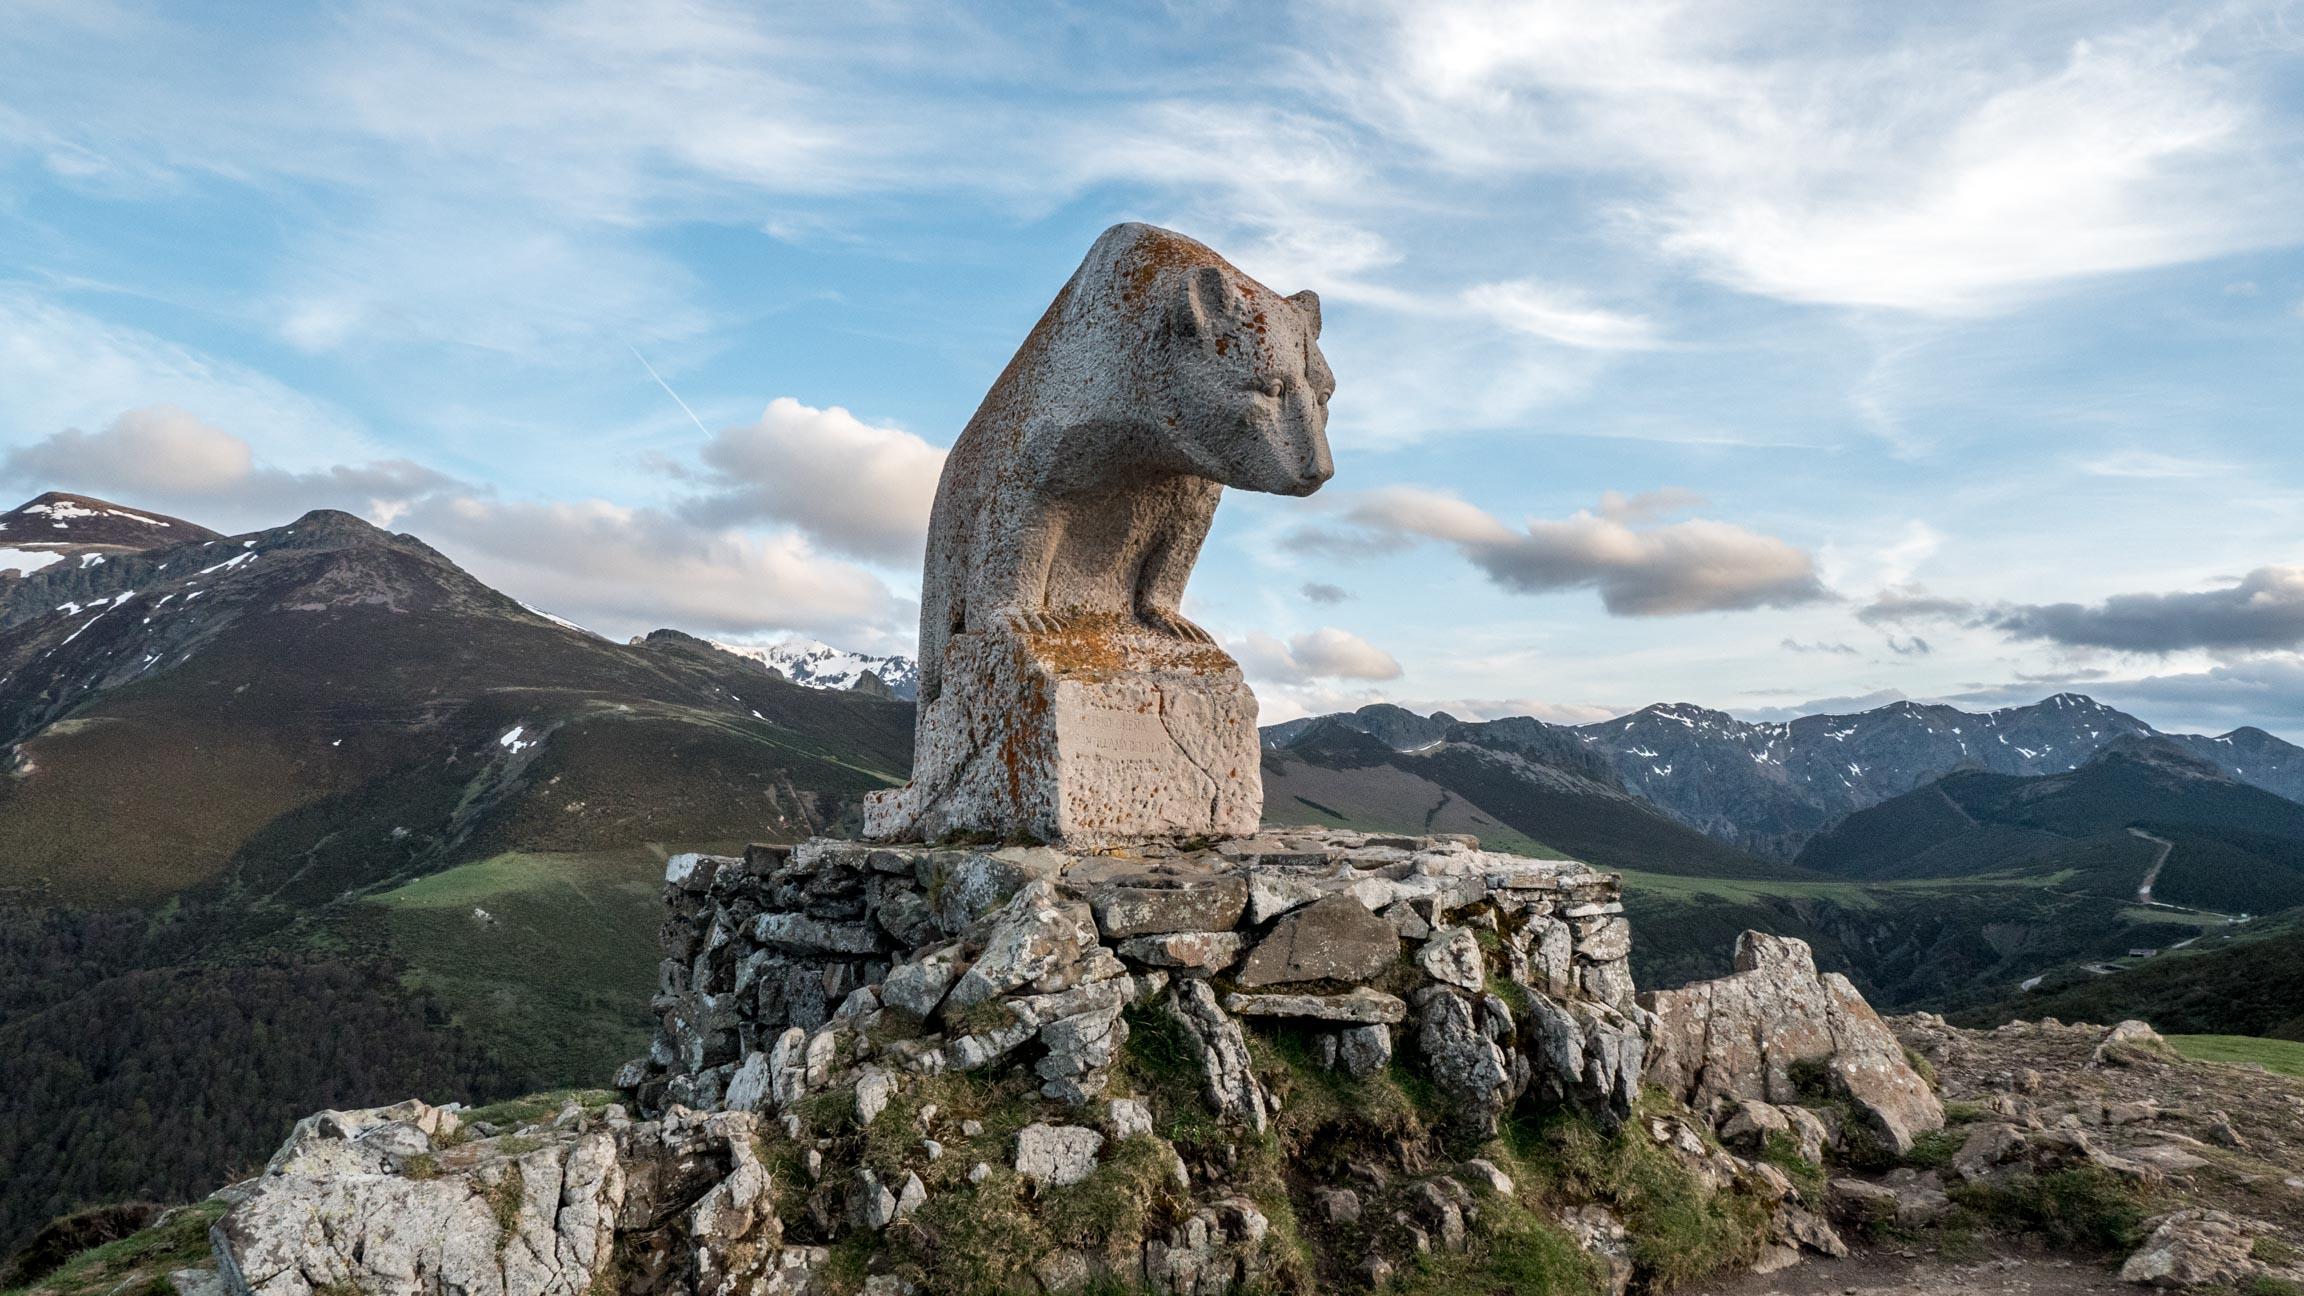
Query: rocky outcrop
[889,1052]
[403,1200]
[1775,1031]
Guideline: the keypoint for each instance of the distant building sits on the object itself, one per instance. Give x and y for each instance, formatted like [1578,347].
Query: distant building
[2141,952]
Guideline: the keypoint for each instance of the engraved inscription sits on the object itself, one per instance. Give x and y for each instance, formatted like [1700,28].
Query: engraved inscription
[1118,734]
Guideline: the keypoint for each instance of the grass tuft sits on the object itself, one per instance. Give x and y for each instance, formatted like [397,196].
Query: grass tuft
[2082,1207]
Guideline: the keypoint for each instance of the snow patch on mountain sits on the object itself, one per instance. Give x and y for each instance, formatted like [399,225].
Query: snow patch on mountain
[820,665]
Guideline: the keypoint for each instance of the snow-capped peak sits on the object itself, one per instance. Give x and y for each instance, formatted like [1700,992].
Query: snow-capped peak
[820,665]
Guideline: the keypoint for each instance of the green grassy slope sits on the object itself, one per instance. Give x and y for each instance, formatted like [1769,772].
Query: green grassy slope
[2249,984]
[2283,1056]
[551,958]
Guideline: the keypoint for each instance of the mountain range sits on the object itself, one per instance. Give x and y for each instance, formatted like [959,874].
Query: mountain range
[318,786]
[1769,787]
[818,665]
[315,795]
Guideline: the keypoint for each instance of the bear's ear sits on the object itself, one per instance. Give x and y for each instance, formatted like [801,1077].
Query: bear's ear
[1308,302]
[1203,297]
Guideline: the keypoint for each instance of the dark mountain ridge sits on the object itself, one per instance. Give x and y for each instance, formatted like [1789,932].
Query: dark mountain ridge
[2144,818]
[59,524]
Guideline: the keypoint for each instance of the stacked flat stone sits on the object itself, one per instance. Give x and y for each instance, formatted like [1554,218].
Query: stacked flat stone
[792,970]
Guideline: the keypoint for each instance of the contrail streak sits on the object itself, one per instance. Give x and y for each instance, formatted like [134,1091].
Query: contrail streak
[668,389]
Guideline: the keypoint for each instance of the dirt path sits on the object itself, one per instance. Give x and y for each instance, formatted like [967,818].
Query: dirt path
[2014,1272]
[2152,875]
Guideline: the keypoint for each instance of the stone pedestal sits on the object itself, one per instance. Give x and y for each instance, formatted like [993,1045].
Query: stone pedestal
[1093,734]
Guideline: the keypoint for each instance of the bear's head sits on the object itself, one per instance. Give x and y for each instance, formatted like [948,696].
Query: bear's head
[1218,376]
[1248,384]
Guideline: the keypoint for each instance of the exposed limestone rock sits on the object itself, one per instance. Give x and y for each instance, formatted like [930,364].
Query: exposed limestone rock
[546,1214]
[1464,1060]
[1359,1004]
[1062,695]
[1159,904]
[1452,956]
[1036,937]
[1334,938]
[1056,1155]
[919,987]
[2194,1248]
[1364,1050]
[1739,1037]
[1190,953]
[2126,1041]
[1232,1089]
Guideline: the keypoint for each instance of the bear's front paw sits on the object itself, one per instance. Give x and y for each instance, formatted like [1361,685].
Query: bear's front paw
[1031,621]
[1173,625]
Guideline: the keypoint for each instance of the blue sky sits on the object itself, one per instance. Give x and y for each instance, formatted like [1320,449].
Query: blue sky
[1750,354]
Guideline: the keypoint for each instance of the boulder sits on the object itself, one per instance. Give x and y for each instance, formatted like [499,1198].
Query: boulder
[1335,938]
[918,987]
[547,1213]
[1464,1062]
[1157,905]
[1740,1036]
[2194,1248]
[1034,939]
[1364,1050]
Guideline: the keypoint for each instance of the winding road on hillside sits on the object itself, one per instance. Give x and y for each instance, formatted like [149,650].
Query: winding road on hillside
[2152,875]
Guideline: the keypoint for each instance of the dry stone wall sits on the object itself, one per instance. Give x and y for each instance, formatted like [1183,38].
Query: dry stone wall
[791,970]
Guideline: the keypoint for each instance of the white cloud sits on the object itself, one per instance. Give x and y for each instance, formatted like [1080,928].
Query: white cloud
[853,487]
[1684,567]
[1545,709]
[2151,465]
[157,450]
[1326,653]
[628,570]
[62,368]
[1558,315]
[624,570]
[1939,168]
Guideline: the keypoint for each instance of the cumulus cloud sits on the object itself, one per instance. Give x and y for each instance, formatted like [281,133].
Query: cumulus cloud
[1324,593]
[621,569]
[1671,570]
[1899,604]
[627,570]
[1326,653]
[853,487]
[163,455]
[156,450]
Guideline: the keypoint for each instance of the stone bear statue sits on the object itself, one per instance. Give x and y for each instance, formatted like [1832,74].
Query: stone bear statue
[1085,483]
